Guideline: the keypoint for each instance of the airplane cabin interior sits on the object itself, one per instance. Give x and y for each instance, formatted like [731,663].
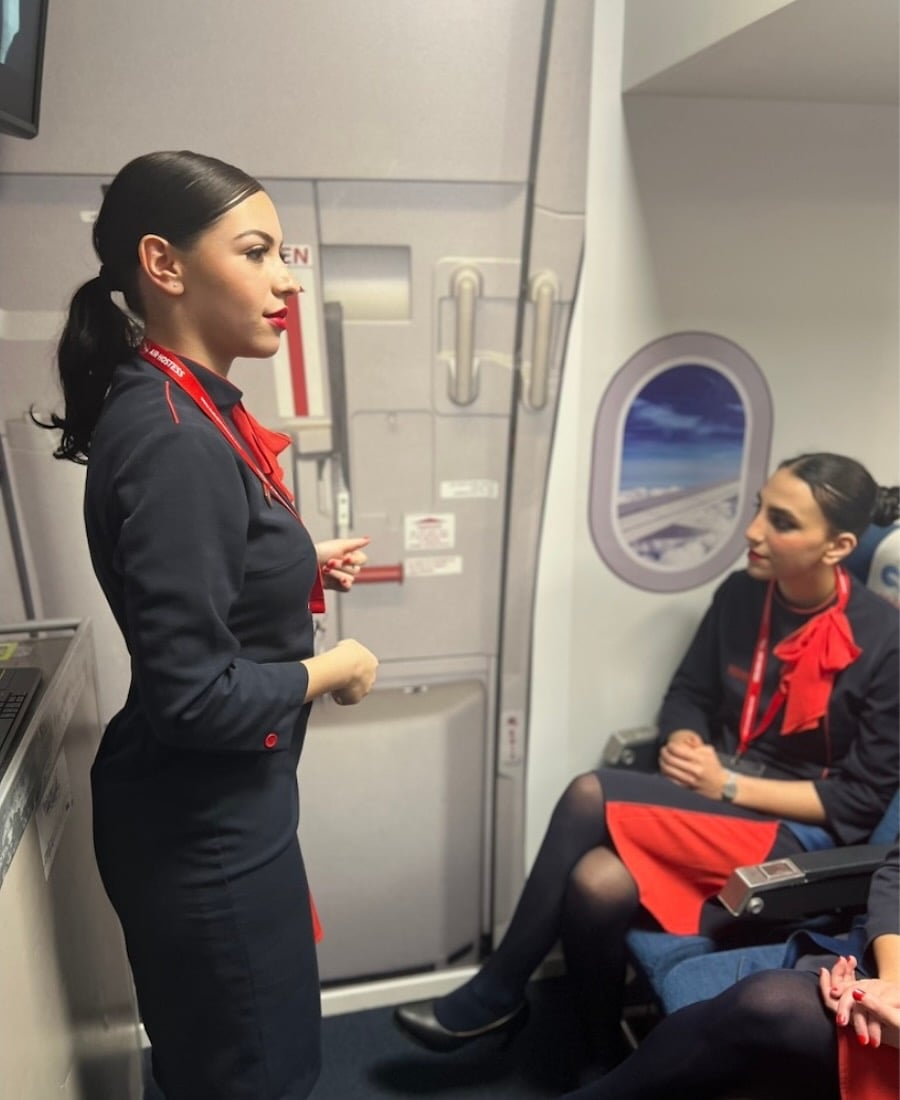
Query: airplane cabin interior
[576,276]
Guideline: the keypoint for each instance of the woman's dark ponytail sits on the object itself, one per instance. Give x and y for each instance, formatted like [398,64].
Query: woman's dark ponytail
[96,338]
[887,506]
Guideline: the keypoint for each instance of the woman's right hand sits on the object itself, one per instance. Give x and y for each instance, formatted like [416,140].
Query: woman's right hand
[361,666]
[871,1006]
[690,762]
[346,672]
[873,1011]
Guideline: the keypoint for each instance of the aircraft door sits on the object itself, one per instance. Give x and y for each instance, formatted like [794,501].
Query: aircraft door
[426,405]
[447,403]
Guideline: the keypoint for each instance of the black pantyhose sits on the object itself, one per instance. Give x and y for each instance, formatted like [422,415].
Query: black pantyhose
[576,829]
[765,1038]
[600,904]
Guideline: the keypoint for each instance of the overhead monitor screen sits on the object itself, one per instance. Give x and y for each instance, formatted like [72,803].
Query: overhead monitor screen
[22,24]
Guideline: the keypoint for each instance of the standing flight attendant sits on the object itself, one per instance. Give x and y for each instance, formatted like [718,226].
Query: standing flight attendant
[212,579]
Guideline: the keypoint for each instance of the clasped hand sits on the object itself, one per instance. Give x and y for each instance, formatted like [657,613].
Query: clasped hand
[687,760]
[870,1006]
[360,666]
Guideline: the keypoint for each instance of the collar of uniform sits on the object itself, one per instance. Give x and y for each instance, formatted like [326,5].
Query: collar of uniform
[225,395]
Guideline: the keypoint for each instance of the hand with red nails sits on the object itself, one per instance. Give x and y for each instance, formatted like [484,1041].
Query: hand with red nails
[341,561]
[836,982]
[871,1006]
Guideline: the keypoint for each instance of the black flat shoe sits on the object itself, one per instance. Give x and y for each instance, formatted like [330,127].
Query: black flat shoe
[419,1023]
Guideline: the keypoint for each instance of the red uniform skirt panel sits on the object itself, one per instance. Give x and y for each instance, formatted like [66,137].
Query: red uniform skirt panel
[867,1073]
[679,846]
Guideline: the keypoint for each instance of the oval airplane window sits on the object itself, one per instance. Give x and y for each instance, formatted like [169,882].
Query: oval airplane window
[680,449]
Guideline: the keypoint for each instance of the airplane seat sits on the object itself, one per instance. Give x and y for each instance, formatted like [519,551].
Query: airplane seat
[876,560]
[678,970]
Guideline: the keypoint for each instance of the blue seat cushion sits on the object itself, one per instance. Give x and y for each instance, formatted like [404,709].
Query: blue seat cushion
[656,953]
[698,978]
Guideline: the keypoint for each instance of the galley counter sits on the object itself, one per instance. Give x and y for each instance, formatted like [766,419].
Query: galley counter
[68,1018]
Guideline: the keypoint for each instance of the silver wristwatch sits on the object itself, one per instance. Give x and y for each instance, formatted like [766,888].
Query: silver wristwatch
[729,787]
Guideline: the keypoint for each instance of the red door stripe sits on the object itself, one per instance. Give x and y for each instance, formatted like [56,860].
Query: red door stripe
[296,359]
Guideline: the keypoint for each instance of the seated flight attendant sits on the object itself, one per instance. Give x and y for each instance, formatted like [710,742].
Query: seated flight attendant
[778,733]
[212,578]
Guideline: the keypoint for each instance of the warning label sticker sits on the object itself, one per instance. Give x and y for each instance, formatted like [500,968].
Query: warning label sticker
[478,488]
[429,531]
[449,565]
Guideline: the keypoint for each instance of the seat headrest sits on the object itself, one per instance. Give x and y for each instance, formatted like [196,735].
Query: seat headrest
[876,561]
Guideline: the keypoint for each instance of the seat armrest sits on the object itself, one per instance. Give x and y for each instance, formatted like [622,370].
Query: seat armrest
[632,748]
[804,884]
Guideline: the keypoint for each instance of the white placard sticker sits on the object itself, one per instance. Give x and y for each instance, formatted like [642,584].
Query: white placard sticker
[475,488]
[512,738]
[447,565]
[52,810]
[429,531]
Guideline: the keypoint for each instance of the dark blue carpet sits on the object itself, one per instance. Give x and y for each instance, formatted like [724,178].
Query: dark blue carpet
[365,1058]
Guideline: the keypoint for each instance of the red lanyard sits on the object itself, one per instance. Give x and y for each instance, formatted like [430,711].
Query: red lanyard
[174,368]
[747,733]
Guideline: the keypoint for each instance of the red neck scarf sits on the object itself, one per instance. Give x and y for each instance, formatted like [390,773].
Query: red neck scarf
[812,656]
[265,444]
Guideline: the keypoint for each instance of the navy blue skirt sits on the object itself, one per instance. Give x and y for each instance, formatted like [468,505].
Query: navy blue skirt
[205,873]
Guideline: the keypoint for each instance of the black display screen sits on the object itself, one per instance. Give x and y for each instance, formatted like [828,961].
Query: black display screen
[22,28]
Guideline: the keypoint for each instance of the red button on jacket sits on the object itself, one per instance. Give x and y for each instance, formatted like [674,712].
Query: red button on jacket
[271,740]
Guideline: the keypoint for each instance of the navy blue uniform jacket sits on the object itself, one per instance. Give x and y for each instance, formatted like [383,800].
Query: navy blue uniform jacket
[853,756]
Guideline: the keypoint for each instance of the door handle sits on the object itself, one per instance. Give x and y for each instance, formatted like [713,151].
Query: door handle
[463,384]
[380,574]
[542,292]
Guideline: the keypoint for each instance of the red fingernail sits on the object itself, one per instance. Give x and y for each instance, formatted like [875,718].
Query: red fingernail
[841,1019]
[863,1040]
[858,994]
[326,568]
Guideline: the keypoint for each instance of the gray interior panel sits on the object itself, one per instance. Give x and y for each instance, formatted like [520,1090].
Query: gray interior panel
[396,872]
